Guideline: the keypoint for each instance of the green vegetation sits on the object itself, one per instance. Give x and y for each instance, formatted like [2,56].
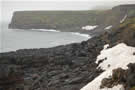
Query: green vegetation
[129,22]
[68,20]
[131,13]
[56,19]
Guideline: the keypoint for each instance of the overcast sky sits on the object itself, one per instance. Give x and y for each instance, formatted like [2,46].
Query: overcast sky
[9,6]
[71,0]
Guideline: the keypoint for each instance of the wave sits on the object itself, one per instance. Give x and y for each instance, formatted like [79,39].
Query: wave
[79,34]
[45,30]
[52,30]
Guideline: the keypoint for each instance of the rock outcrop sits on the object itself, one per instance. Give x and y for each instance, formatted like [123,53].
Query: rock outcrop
[62,20]
[120,76]
[66,67]
[11,77]
[71,21]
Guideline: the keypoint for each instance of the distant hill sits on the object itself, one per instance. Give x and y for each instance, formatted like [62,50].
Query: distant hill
[71,67]
[68,21]
[53,19]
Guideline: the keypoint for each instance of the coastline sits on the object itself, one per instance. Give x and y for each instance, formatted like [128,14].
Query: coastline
[80,66]
[38,34]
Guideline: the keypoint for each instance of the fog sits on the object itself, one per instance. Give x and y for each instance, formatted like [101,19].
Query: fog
[8,6]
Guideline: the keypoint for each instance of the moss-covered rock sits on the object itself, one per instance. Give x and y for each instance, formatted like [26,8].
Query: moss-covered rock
[120,76]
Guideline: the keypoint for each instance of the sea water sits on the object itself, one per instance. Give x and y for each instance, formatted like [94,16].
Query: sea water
[14,39]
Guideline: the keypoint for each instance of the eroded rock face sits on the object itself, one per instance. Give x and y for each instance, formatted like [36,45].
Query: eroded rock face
[11,77]
[120,76]
[67,67]
[69,21]
[131,76]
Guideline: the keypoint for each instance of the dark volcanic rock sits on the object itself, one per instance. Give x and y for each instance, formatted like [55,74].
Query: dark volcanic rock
[11,77]
[68,67]
[65,67]
[71,66]
[120,76]
[69,21]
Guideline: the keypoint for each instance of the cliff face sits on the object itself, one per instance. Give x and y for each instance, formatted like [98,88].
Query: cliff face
[71,20]
[52,19]
[68,67]
[67,20]
[124,7]
[116,58]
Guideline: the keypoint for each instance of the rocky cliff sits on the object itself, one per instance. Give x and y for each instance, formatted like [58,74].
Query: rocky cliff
[52,19]
[70,21]
[67,67]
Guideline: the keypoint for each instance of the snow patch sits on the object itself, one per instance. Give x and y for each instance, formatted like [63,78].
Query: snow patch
[89,27]
[79,34]
[121,53]
[108,27]
[123,19]
[118,56]
[106,46]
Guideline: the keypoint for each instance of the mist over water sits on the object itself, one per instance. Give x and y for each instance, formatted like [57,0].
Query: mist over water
[11,40]
[10,6]
[14,39]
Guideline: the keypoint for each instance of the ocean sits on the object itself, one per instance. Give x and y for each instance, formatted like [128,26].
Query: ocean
[14,39]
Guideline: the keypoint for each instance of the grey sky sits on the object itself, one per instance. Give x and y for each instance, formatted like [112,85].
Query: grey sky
[9,6]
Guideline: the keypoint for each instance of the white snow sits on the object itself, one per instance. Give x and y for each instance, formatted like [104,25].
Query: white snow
[79,34]
[118,56]
[123,19]
[108,27]
[106,46]
[89,27]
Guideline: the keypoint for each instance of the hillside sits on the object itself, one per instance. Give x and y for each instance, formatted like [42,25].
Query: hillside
[53,19]
[119,53]
[71,21]
[87,65]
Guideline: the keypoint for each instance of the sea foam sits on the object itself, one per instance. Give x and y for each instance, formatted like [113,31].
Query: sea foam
[79,34]
[45,30]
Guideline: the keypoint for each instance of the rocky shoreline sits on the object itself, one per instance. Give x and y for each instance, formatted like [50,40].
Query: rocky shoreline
[70,21]
[65,67]
[68,67]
